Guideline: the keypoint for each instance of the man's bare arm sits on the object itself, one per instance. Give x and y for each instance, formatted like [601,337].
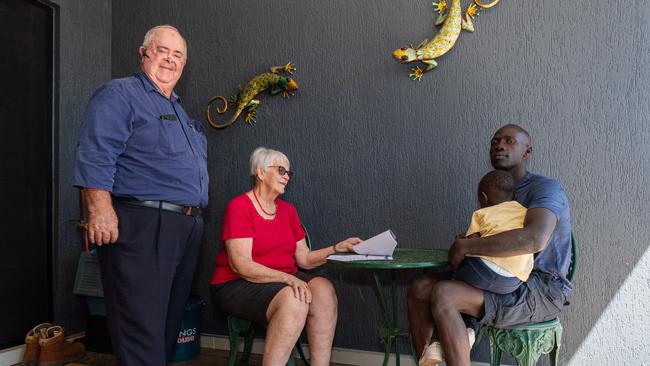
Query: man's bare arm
[102,220]
[532,238]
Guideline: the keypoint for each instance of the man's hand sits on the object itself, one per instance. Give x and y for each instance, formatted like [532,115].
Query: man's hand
[102,220]
[456,252]
[102,227]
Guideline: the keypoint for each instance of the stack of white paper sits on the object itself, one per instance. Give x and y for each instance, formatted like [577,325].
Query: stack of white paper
[358,257]
[379,247]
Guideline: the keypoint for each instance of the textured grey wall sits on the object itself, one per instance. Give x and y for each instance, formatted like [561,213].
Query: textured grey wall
[84,63]
[374,150]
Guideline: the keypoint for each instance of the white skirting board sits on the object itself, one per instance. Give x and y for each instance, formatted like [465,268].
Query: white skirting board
[339,355]
[12,356]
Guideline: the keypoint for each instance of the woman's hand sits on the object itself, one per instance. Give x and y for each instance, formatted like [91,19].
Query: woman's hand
[346,245]
[300,289]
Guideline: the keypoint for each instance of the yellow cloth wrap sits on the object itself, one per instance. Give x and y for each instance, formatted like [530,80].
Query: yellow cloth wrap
[497,219]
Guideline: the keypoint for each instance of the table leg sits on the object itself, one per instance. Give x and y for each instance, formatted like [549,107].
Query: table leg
[389,329]
[393,291]
[386,326]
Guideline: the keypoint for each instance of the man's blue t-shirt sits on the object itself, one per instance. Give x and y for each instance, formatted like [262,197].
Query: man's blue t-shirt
[537,191]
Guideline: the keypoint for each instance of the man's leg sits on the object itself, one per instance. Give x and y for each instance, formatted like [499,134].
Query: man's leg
[183,252]
[418,297]
[135,302]
[449,300]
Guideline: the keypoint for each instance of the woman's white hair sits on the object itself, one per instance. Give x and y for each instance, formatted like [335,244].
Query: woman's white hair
[263,158]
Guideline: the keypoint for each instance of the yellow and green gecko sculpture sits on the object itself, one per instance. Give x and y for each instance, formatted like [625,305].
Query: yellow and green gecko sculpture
[452,22]
[245,99]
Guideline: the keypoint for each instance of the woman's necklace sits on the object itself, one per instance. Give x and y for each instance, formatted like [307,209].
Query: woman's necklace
[262,208]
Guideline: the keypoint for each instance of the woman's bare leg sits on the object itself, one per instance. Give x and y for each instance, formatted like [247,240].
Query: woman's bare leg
[286,316]
[321,321]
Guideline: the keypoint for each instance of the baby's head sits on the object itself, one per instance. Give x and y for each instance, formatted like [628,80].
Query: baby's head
[496,187]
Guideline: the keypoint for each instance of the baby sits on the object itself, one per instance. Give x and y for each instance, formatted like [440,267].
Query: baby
[498,213]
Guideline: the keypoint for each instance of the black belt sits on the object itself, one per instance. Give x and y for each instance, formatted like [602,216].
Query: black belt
[163,205]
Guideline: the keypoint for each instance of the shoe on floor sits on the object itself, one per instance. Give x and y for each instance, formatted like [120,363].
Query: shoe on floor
[32,348]
[55,351]
[471,337]
[432,354]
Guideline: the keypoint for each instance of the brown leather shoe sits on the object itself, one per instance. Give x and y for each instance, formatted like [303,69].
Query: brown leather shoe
[55,351]
[32,348]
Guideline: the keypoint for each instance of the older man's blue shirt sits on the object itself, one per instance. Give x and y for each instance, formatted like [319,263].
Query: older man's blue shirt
[135,142]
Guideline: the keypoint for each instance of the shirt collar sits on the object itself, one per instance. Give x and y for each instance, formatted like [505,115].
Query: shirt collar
[524,180]
[150,86]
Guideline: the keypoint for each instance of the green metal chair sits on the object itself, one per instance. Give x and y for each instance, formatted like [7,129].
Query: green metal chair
[527,342]
[241,327]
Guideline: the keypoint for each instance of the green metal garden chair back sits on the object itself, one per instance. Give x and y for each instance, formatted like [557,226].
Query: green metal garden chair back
[238,327]
[527,342]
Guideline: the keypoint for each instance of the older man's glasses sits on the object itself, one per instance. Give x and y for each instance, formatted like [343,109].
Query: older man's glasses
[282,170]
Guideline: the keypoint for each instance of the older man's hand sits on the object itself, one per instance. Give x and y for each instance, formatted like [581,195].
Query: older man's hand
[102,220]
[102,227]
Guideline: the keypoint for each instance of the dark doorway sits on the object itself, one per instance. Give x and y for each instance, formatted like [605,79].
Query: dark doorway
[26,135]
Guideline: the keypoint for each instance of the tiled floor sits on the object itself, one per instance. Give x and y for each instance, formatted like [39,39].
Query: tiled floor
[208,357]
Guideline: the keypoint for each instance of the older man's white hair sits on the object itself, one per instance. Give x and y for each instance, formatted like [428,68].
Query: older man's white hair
[151,32]
[263,158]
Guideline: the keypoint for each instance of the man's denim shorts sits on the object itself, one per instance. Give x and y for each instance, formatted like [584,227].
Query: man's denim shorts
[539,299]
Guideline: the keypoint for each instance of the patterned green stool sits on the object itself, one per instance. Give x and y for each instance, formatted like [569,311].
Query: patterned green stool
[241,327]
[236,327]
[527,342]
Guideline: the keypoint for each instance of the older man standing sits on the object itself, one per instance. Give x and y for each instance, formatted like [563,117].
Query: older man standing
[142,167]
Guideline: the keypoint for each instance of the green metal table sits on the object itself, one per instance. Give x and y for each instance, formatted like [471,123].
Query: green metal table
[403,258]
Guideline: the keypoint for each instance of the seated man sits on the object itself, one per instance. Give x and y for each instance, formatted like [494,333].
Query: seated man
[437,304]
[500,275]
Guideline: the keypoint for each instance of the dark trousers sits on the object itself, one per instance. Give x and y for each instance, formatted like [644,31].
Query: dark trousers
[147,276]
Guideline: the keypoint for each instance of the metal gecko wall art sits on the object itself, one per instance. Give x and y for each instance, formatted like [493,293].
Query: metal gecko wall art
[245,99]
[452,22]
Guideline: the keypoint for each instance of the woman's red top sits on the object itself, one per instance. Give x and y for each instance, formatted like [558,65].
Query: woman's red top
[274,241]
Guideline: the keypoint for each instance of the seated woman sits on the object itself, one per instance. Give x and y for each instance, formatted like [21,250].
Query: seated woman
[256,276]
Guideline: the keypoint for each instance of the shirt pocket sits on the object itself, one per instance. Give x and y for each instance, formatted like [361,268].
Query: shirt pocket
[171,138]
